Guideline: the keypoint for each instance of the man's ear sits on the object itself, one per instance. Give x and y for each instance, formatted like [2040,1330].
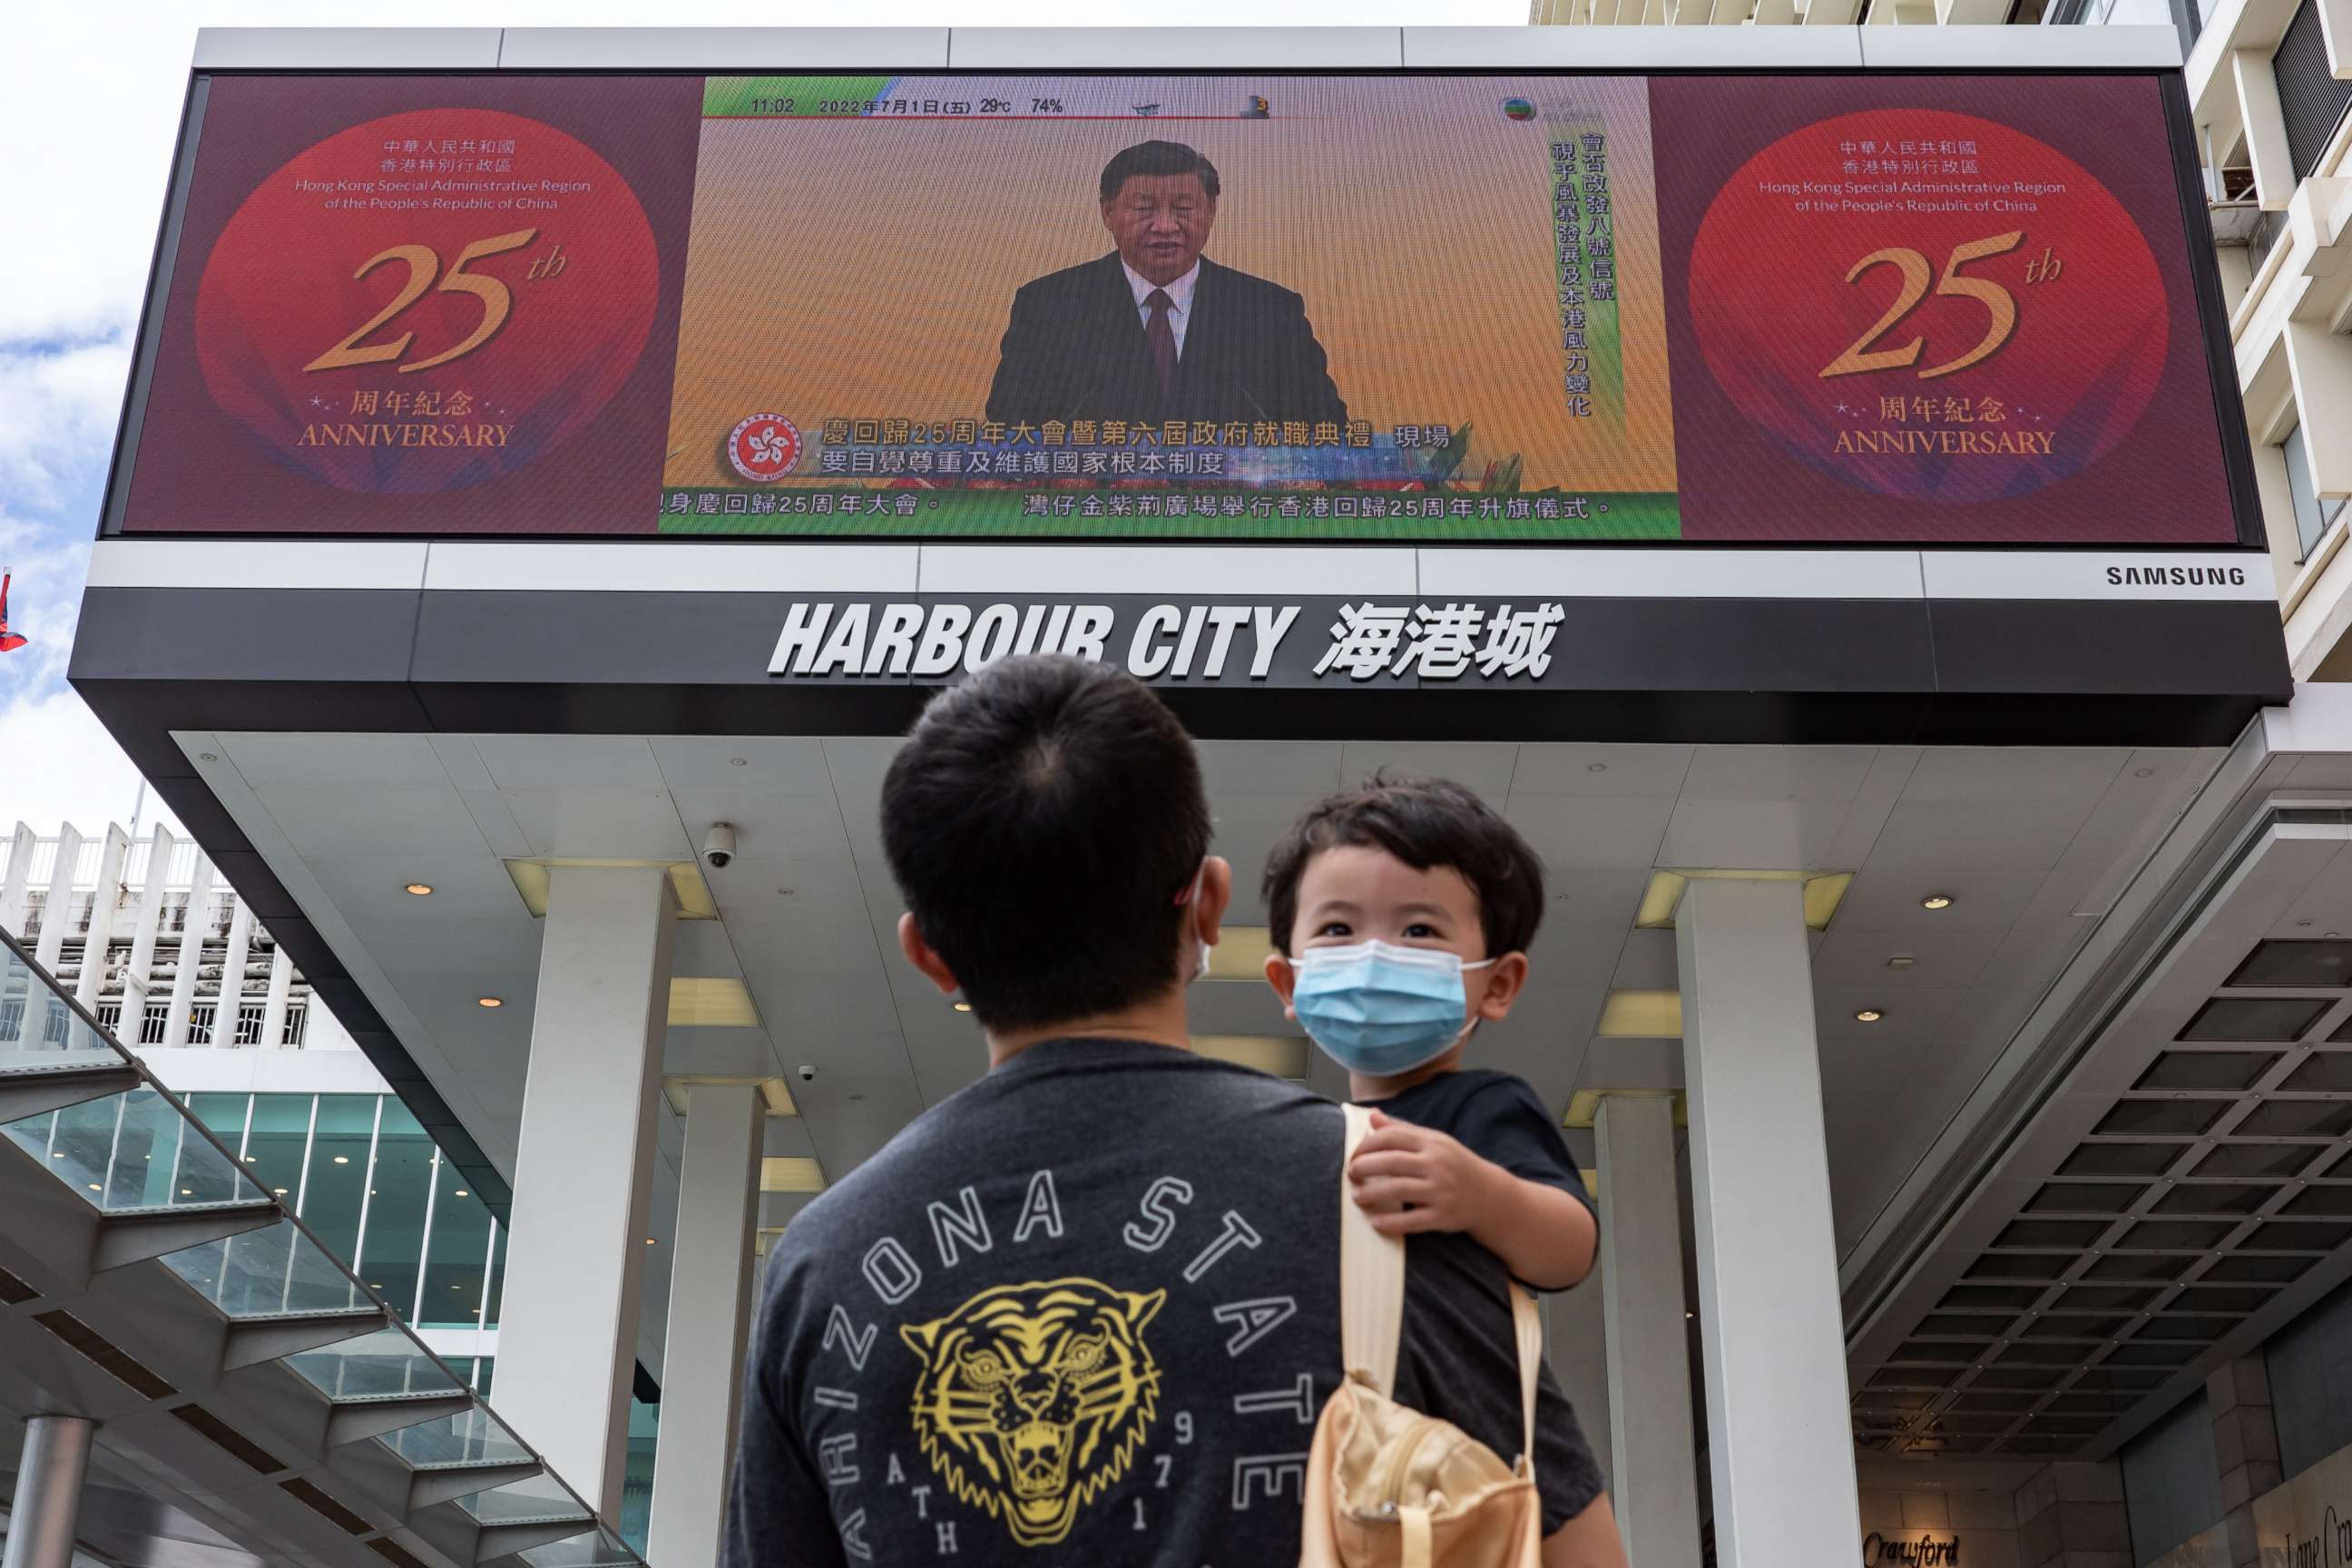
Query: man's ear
[1504,983]
[1215,896]
[919,953]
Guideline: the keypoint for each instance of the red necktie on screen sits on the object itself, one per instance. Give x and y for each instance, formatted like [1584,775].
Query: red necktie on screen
[1160,339]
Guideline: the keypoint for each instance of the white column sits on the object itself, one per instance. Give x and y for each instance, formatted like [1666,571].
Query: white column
[227,1010]
[709,1302]
[1576,1343]
[46,1511]
[136,978]
[55,915]
[20,874]
[1653,1473]
[94,949]
[2265,123]
[273,1010]
[575,1253]
[192,955]
[1779,1443]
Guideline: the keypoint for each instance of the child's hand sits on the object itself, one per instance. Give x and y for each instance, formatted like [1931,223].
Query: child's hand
[1399,1163]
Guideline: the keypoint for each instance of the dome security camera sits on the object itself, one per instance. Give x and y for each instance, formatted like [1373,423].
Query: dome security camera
[719,846]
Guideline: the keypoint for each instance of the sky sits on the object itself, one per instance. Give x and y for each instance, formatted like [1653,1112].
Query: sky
[90,104]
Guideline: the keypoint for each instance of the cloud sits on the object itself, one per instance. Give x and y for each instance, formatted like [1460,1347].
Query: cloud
[64,767]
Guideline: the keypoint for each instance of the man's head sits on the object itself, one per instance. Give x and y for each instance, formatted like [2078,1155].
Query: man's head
[1158,199]
[1418,863]
[1047,826]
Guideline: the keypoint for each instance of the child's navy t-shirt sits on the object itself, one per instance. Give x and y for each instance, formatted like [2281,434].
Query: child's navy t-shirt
[1497,1117]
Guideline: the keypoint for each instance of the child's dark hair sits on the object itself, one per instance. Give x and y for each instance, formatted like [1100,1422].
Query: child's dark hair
[1425,822]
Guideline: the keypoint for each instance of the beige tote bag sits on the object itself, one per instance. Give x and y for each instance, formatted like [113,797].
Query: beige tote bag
[1388,1487]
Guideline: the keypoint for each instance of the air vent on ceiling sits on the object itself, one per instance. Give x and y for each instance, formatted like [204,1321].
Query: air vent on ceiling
[325,1507]
[392,1552]
[230,1439]
[109,1357]
[14,1292]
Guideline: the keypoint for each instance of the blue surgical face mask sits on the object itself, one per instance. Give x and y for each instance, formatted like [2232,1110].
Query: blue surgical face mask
[1381,1010]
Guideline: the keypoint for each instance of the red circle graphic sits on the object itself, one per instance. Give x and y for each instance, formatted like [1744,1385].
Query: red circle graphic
[428,300]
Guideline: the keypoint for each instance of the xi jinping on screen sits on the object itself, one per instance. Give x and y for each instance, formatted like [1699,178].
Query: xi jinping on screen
[1155,331]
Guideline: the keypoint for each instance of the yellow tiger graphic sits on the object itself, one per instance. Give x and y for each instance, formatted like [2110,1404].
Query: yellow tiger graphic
[1033,1399]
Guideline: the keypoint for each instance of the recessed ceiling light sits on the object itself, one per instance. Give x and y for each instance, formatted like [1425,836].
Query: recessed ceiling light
[490,1001]
[738,762]
[251,1159]
[1596,767]
[187,1192]
[342,1159]
[279,1191]
[421,889]
[1868,1016]
[963,1006]
[649,1241]
[1937,902]
[461,1192]
[96,1188]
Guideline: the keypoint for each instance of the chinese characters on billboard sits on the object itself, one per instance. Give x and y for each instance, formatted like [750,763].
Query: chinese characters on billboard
[1430,308]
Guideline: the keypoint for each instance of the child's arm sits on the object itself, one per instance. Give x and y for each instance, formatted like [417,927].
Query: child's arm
[1542,1235]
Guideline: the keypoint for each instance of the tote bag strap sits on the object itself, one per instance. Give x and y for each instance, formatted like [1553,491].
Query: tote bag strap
[1529,1324]
[1371,1279]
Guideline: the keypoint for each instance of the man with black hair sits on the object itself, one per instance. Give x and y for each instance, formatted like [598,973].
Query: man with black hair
[1089,1303]
[1155,332]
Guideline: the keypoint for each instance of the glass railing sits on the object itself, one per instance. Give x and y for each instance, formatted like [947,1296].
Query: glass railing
[133,1152]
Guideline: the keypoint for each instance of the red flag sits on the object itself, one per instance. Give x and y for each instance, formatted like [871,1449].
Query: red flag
[9,641]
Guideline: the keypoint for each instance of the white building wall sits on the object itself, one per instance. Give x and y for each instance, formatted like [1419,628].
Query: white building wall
[188,1031]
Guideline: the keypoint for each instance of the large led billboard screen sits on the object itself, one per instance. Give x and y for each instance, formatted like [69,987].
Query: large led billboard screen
[1942,310]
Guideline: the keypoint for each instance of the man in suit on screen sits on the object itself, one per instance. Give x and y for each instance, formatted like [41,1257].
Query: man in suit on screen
[1155,331]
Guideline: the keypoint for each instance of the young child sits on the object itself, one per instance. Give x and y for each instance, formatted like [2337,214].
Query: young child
[1402,914]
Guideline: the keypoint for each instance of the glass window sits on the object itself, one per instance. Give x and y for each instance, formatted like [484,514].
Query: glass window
[279,1128]
[338,1184]
[459,1252]
[403,1183]
[224,1114]
[2313,516]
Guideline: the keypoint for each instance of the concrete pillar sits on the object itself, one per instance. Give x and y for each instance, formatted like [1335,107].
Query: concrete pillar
[2245,1448]
[231,1004]
[2265,123]
[273,1009]
[575,1252]
[1779,1443]
[20,875]
[94,949]
[709,1313]
[55,914]
[2319,368]
[143,935]
[191,956]
[1653,1473]
[1576,1343]
[2072,1512]
[45,1513]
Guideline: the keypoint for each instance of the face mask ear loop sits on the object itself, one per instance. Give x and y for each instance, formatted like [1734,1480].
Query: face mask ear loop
[1184,901]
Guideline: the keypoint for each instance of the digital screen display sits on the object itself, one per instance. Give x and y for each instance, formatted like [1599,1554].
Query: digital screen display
[1800,308]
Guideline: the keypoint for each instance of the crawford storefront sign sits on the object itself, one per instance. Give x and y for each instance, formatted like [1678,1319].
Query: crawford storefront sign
[1926,1551]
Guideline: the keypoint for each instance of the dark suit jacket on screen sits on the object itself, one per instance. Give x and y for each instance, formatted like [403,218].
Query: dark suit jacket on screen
[1076,351]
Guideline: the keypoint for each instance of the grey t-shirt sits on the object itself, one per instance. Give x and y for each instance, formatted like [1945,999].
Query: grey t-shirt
[1087,1312]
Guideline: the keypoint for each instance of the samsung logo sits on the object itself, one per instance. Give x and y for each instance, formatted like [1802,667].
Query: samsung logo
[2176,576]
